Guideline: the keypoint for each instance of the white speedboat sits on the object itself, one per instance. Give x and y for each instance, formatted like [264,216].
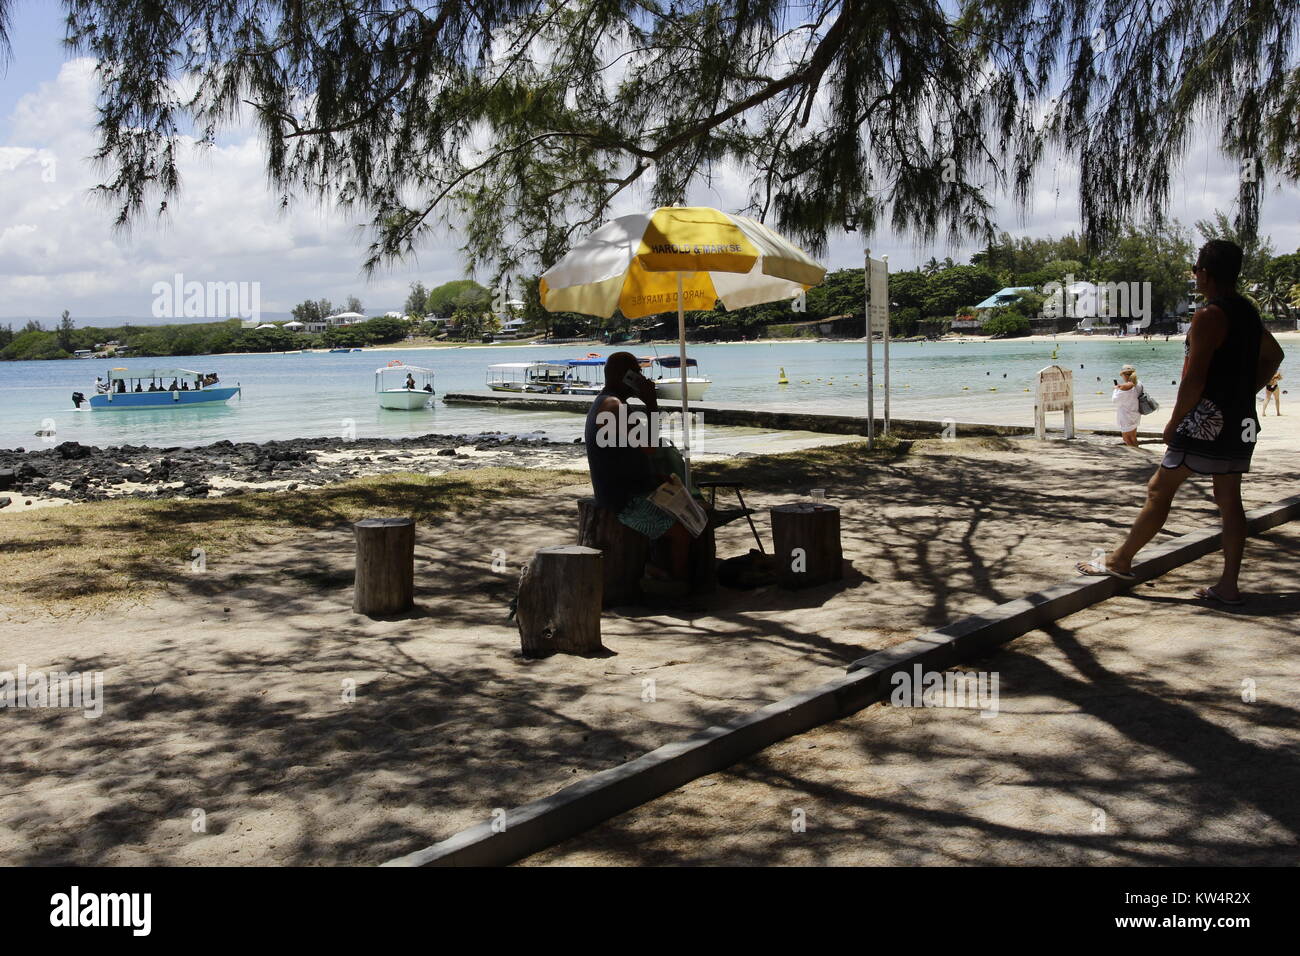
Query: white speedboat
[403,387]
[666,372]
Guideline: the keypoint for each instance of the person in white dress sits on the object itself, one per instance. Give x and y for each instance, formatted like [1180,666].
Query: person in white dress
[1125,397]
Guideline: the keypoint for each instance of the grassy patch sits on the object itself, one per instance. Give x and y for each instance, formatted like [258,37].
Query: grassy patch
[88,556]
[800,470]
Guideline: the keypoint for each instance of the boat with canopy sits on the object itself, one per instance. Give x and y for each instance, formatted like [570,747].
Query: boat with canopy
[150,387]
[403,387]
[665,372]
[546,377]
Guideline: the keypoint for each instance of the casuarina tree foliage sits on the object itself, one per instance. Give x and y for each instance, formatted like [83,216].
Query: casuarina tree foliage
[523,122]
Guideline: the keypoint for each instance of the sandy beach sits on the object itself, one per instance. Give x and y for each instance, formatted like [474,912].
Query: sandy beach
[244,687]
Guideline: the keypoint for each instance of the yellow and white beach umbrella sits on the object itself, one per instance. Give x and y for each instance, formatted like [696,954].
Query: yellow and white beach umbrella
[688,257]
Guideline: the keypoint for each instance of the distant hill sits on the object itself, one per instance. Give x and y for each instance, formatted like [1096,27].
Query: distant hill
[113,321]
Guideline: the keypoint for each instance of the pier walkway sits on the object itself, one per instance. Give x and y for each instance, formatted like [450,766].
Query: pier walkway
[770,416]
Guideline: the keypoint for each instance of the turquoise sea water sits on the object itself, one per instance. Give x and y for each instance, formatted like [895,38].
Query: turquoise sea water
[308,395]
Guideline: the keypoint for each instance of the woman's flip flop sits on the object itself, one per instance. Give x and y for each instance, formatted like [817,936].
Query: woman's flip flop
[1209,594]
[1092,569]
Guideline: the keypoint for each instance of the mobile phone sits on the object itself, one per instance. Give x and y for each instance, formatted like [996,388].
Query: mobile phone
[1115,380]
[633,379]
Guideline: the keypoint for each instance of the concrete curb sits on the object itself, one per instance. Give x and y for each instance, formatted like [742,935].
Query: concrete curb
[543,823]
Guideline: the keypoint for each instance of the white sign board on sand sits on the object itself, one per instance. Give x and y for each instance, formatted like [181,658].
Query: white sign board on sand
[1055,393]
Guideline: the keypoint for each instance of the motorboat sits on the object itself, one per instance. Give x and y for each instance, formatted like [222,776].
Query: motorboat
[665,372]
[586,376]
[146,387]
[544,377]
[403,387]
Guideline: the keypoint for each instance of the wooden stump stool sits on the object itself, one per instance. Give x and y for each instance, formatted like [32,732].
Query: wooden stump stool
[806,542]
[625,551]
[385,582]
[559,602]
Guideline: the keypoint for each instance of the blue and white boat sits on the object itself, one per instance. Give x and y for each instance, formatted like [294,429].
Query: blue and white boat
[587,375]
[144,387]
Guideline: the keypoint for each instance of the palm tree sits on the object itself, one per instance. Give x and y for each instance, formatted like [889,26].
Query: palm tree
[1272,294]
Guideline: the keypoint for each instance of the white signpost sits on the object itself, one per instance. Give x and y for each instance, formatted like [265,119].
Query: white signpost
[1055,394]
[876,280]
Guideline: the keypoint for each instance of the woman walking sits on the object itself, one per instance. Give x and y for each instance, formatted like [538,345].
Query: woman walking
[1125,397]
[1213,428]
[1273,393]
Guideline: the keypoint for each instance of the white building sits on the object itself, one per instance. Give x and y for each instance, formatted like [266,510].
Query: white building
[336,321]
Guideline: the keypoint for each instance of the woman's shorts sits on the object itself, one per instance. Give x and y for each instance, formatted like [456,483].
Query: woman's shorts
[1205,465]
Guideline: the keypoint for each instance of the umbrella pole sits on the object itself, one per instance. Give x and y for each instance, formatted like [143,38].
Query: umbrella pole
[871,365]
[681,341]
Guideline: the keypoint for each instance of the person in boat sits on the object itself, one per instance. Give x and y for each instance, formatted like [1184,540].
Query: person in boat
[623,473]
[410,382]
[173,387]
[137,386]
[101,386]
[428,387]
[185,386]
[121,386]
[153,386]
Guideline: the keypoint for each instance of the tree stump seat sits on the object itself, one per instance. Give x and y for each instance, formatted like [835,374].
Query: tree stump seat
[626,553]
[558,610]
[385,574]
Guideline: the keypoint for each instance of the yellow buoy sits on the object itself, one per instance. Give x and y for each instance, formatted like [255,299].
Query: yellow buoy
[783,380]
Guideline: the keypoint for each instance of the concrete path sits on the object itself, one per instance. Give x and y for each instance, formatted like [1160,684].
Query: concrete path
[1151,729]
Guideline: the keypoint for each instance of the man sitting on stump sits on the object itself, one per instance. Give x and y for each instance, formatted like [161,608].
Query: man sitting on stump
[621,445]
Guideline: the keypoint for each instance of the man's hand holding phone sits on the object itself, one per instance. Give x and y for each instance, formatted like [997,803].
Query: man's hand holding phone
[640,386]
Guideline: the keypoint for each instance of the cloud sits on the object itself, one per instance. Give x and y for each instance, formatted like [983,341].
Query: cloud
[58,249]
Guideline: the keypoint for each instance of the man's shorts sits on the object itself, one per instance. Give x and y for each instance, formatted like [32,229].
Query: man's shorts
[646,518]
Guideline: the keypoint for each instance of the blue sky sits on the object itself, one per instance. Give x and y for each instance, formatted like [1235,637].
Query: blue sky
[57,249]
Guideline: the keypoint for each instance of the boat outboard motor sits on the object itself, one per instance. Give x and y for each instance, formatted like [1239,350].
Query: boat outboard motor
[77,399]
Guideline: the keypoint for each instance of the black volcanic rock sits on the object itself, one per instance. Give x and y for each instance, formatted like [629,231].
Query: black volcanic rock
[74,450]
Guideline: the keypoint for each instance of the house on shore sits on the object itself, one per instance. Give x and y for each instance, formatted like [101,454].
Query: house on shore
[1007,296]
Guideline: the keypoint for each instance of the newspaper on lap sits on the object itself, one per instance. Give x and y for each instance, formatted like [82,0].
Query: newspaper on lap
[673,498]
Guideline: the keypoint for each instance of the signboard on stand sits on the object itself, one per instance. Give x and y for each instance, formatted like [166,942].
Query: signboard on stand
[878,304]
[1055,393]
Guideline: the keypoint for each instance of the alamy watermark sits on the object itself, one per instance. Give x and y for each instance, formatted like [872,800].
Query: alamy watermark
[922,688]
[71,689]
[1088,301]
[645,429]
[177,299]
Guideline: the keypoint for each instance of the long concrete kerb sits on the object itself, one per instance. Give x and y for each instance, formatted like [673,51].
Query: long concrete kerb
[543,823]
